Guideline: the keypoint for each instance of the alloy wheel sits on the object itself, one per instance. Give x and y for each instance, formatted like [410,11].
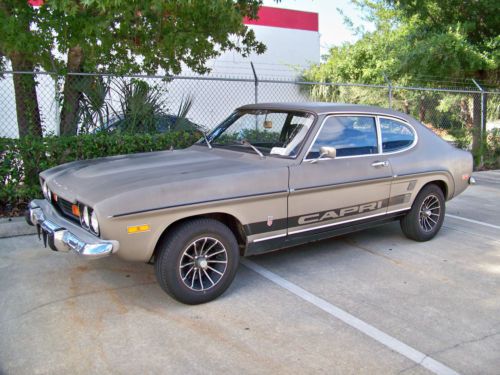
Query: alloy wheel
[203,264]
[429,213]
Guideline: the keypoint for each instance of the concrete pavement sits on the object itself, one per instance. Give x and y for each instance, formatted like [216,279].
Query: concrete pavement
[61,314]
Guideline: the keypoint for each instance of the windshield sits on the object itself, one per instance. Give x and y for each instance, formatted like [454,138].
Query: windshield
[279,133]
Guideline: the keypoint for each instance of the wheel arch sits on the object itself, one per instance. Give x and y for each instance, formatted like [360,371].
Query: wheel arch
[227,219]
[442,185]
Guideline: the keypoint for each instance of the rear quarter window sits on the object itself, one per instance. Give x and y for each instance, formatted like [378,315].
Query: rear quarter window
[396,135]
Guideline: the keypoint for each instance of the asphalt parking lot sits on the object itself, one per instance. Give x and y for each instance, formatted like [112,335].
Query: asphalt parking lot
[366,303]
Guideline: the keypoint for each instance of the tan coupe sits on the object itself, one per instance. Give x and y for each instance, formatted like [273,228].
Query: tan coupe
[268,177]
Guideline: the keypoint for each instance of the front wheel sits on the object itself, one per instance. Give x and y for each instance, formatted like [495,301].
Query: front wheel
[426,216]
[197,261]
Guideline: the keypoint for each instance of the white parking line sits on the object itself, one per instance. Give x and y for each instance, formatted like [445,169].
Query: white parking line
[474,221]
[480,235]
[369,330]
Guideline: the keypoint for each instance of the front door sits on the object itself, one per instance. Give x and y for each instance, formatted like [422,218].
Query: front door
[331,192]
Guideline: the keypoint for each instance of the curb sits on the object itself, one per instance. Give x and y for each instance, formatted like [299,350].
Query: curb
[15,226]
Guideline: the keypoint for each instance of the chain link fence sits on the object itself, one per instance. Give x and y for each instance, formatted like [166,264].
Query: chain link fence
[85,103]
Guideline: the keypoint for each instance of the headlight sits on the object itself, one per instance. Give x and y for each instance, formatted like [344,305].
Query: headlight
[45,190]
[94,224]
[85,219]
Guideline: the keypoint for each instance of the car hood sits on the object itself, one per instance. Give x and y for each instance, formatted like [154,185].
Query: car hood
[138,182]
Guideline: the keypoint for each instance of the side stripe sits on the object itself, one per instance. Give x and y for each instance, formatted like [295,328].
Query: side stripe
[327,216]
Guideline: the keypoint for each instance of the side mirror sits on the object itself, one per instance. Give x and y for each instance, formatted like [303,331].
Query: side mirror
[325,152]
[328,152]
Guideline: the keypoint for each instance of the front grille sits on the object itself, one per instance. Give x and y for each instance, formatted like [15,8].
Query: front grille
[64,208]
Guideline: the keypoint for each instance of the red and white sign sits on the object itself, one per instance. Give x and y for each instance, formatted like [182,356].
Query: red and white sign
[285,18]
[35,3]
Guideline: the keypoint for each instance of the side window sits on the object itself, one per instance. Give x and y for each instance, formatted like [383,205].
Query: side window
[350,135]
[395,135]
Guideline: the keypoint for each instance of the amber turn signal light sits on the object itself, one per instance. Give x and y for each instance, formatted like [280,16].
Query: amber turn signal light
[138,228]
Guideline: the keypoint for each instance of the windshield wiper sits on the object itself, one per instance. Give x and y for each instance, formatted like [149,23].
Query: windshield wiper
[248,144]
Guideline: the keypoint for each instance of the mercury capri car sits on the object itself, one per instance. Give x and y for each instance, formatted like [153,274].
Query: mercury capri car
[268,177]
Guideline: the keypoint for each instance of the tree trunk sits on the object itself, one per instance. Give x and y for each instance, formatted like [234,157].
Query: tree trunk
[465,113]
[28,112]
[406,106]
[71,93]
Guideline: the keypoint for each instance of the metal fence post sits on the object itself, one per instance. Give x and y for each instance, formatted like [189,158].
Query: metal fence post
[256,80]
[483,119]
[57,104]
[389,86]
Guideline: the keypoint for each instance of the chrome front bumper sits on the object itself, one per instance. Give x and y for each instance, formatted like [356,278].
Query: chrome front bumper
[63,235]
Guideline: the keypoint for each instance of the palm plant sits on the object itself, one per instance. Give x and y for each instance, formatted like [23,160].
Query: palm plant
[140,106]
[93,110]
[181,121]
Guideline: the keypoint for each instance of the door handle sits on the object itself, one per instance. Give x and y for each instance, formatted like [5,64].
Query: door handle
[378,164]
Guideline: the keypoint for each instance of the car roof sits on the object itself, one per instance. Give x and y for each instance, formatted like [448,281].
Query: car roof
[318,108]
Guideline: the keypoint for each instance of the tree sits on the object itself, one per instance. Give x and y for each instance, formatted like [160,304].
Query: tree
[454,38]
[365,61]
[447,39]
[414,38]
[461,37]
[21,45]
[124,36]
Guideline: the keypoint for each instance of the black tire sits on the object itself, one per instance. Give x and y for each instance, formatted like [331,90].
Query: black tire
[209,275]
[426,216]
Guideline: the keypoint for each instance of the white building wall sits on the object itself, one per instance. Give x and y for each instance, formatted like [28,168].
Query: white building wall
[288,52]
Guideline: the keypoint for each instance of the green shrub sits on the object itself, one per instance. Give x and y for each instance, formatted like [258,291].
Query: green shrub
[22,159]
[462,137]
[492,154]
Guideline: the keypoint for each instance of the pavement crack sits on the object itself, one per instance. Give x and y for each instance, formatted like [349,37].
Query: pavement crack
[465,342]
[412,366]
[357,245]
[41,306]
[402,371]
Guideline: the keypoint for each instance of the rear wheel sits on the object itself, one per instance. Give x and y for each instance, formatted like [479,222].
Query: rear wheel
[197,261]
[426,216]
